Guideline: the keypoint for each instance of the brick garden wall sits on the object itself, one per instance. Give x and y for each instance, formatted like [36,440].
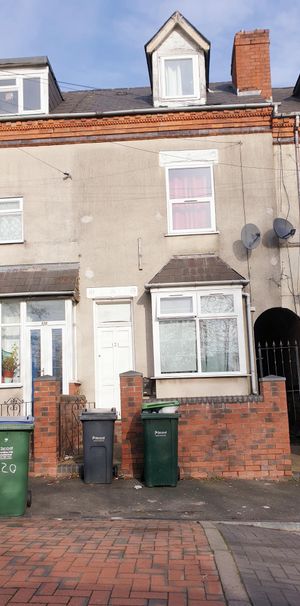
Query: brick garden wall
[246,437]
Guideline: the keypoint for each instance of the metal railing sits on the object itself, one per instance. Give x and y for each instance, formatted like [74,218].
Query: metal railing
[15,407]
[70,426]
[283,359]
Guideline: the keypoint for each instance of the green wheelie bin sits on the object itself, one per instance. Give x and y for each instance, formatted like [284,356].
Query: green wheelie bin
[160,447]
[14,462]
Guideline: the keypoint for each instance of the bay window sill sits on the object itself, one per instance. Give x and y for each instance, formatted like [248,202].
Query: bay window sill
[207,375]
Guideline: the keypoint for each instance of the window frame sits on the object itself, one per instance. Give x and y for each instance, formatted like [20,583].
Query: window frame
[197,292]
[19,76]
[19,212]
[210,199]
[68,327]
[195,69]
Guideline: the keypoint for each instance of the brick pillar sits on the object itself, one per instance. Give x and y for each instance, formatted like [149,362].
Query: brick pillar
[46,427]
[131,385]
[273,390]
[74,388]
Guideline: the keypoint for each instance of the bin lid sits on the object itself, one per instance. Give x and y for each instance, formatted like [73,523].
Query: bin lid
[159,404]
[23,423]
[98,414]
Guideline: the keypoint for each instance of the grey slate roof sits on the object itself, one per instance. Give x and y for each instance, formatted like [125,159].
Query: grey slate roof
[130,99]
[196,269]
[40,278]
[140,98]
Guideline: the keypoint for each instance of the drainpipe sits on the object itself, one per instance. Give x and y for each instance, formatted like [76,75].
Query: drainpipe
[297,154]
[254,389]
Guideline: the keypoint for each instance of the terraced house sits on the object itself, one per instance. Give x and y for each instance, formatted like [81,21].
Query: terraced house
[124,227]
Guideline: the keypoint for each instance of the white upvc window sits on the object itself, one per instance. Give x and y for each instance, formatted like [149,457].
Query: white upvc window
[190,195]
[36,338]
[11,220]
[198,332]
[23,93]
[180,77]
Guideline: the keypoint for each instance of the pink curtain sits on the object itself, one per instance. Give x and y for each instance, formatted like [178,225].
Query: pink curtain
[189,182]
[191,215]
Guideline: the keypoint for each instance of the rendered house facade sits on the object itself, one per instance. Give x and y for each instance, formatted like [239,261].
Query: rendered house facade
[121,214]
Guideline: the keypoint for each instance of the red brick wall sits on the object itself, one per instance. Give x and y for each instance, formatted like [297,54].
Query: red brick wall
[46,426]
[251,62]
[246,437]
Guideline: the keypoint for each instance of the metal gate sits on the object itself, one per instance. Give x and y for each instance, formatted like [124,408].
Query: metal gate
[282,359]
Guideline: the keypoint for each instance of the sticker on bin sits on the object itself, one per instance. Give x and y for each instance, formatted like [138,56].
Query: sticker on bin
[6,452]
[160,434]
[98,438]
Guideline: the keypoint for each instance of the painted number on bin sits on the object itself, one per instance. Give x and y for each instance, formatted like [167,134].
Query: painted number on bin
[6,468]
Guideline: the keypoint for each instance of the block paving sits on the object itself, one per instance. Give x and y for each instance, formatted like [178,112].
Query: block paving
[268,561]
[83,562]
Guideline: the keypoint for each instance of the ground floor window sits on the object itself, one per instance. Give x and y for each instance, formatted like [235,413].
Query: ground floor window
[198,332]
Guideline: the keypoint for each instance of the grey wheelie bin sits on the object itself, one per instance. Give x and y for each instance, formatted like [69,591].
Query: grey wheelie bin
[14,462]
[160,444]
[98,445]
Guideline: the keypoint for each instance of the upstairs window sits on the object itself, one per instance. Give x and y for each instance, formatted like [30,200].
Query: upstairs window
[190,199]
[21,94]
[179,77]
[11,220]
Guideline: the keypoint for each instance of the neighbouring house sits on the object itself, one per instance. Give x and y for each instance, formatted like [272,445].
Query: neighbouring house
[121,214]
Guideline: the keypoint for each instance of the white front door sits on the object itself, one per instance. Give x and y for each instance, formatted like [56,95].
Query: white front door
[113,351]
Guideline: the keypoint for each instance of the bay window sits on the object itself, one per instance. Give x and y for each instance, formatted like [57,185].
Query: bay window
[199,332]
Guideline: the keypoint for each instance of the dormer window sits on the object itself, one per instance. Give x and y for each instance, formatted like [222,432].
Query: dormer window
[21,94]
[178,63]
[27,87]
[180,77]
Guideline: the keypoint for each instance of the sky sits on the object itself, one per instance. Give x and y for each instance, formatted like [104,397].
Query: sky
[100,43]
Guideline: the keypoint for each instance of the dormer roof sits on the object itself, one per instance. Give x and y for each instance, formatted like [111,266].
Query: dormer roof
[177,20]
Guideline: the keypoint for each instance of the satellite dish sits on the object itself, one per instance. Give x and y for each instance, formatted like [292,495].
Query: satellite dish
[250,236]
[283,228]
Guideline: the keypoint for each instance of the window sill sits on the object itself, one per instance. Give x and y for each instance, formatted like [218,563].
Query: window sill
[10,385]
[207,375]
[11,242]
[192,233]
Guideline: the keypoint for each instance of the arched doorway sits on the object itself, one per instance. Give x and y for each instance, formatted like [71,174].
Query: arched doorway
[277,344]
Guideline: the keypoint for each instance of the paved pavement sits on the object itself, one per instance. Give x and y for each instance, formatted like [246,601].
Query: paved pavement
[268,561]
[120,563]
[200,544]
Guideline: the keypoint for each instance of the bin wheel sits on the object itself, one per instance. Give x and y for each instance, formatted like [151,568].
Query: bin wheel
[115,471]
[29,498]
[178,473]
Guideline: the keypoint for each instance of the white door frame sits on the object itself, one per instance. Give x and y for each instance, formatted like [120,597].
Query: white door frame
[116,324]
[67,348]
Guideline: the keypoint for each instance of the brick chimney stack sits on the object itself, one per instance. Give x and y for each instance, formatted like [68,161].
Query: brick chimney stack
[250,66]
